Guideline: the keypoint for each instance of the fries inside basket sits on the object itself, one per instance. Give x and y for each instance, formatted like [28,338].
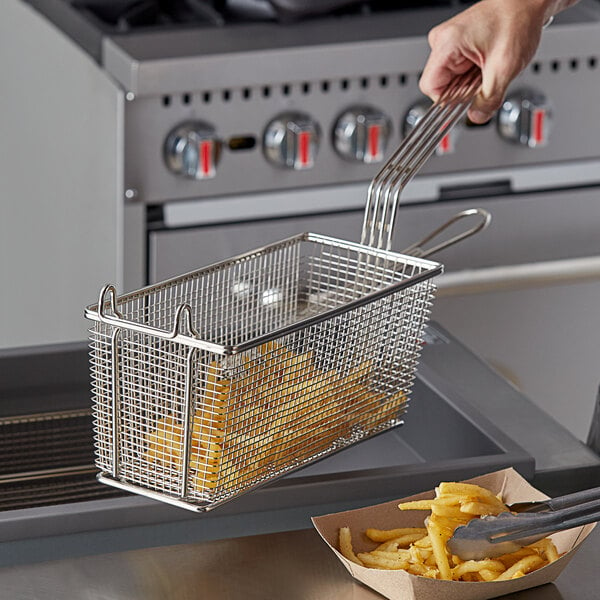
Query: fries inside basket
[306,408]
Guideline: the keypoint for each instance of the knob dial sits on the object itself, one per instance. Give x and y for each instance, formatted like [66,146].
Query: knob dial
[291,140]
[192,150]
[524,118]
[361,134]
[446,145]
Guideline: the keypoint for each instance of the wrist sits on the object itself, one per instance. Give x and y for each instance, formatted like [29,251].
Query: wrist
[553,7]
[545,9]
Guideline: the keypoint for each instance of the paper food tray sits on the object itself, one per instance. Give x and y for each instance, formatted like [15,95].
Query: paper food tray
[400,585]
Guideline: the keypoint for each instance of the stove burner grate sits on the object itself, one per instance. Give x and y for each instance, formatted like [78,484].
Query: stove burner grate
[128,15]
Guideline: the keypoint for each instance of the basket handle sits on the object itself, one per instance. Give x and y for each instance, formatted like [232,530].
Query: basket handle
[383,196]
[417,249]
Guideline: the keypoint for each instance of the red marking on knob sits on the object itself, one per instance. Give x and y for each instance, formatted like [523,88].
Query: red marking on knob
[206,157]
[374,131]
[539,116]
[304,148]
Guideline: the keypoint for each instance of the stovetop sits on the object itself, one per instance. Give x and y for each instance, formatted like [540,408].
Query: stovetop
[88,22]
[233,68]
[122,16]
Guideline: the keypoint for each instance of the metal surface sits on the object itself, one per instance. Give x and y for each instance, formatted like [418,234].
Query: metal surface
[193,235]
[453,390]
[47,459]
[419,248]
[525,118]
[192,150]
[238,78]
[385,189]
[401,453]
[296,565]
[37,441]
[291,141]
[217,381]
[239,91]
[361,134]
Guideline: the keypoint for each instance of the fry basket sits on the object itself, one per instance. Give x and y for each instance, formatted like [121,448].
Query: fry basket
[212,383]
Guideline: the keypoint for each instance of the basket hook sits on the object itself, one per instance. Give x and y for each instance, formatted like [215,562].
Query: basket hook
[108,290]
[183,316]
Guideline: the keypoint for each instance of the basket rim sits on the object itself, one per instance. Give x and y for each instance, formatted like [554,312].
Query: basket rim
[93,312]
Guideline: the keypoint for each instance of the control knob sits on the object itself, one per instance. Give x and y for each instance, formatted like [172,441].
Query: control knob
[446,145]
[192,150]
[361,134]
[291,140]
[524,118]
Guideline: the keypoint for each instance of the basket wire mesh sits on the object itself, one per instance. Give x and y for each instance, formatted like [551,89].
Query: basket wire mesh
[214,382]
[277,358]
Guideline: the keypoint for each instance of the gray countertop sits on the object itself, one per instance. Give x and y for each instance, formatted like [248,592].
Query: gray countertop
[293,565]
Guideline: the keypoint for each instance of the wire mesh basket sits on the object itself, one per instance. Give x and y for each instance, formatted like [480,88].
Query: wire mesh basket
[212,383]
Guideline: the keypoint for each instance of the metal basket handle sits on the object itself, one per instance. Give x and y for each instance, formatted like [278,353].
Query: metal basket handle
[383,196]
[417,249]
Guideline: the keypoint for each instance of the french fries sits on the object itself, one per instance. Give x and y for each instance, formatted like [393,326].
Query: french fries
[424,551]
[279,409]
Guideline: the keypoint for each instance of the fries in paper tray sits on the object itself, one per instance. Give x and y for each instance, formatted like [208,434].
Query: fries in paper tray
[391,549]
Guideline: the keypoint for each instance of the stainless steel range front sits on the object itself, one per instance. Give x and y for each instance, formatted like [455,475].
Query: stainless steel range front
[151,138]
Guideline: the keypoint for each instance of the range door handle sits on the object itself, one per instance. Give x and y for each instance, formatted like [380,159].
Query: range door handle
[520,276]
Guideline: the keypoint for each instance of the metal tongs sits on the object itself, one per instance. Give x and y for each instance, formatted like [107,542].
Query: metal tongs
[493,536]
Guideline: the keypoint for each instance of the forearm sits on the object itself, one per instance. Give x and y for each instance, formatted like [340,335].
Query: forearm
[546,9]
[553,7]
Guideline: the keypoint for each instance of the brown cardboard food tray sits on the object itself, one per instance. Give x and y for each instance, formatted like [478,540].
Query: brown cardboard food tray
[400,585]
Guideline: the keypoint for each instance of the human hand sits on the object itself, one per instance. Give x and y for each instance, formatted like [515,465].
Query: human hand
[498,36]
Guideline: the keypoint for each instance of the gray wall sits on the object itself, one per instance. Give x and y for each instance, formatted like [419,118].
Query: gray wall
[60,222]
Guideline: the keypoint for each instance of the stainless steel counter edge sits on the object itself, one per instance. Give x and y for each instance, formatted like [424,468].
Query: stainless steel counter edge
[279,500]
[295,565]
